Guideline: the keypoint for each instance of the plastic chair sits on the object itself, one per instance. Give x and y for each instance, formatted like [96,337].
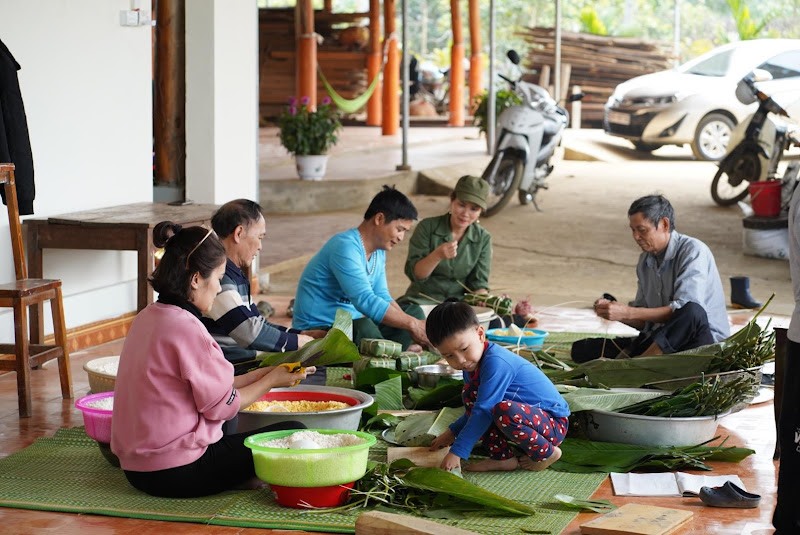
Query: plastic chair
[25,354]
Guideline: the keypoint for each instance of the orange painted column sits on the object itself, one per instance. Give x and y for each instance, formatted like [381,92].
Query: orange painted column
[456,67]
[475,67]
[391,73]
[374,62]
[305,53]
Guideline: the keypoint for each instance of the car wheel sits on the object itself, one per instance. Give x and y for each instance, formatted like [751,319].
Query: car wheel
[645,147]
[712,137]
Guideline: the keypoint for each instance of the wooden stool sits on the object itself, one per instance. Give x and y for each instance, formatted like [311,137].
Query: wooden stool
[25,354]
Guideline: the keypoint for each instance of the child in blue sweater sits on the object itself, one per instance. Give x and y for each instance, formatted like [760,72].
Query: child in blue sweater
[511,406]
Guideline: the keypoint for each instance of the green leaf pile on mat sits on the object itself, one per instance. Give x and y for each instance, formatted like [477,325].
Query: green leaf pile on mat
[428,492]
[583,456]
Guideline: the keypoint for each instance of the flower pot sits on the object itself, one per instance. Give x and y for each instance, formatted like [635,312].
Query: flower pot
[311,166]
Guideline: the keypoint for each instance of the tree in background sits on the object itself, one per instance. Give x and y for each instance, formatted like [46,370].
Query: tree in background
[746,27]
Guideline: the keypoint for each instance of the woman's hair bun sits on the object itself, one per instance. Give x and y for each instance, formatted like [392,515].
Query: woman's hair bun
[164,231]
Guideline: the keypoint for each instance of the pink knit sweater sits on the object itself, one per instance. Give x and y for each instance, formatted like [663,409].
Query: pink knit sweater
[174,389]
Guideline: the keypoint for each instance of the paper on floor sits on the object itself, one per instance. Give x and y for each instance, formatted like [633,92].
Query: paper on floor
[668,483]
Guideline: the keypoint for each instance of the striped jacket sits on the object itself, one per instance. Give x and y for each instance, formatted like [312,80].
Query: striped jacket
[236,324]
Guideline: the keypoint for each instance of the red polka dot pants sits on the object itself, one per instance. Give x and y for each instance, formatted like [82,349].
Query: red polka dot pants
[531,429]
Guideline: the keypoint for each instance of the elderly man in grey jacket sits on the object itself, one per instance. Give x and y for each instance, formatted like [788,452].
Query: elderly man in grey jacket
[679,300]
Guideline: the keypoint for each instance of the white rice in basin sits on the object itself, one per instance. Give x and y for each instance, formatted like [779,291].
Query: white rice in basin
[313,440]
[105,404]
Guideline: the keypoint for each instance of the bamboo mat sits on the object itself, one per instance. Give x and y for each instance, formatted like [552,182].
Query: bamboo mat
[67,473]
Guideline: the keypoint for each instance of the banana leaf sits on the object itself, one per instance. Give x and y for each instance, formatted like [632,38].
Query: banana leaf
[441,481]
[447,394]
[414,430]
[583,456]
[633,372]
[367,379]
[586,399]
[595,506]
[389,394]
[336,347]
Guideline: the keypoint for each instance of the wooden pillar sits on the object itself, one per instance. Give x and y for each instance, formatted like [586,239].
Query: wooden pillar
[391,72]
[456,67]
[306,53]
[475,67]
[374,63]
[169,100]
[328,6]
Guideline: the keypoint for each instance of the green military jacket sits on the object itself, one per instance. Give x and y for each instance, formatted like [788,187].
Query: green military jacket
[470,268]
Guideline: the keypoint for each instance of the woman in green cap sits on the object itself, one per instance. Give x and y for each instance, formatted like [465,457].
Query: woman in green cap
[451,254]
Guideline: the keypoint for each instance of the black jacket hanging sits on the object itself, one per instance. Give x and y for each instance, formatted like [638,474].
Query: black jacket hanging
[15,144]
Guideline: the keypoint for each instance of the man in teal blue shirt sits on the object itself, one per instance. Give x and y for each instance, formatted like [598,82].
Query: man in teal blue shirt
[349,272]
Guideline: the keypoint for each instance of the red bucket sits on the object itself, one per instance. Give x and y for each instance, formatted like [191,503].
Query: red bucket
[303,497]
[765,197]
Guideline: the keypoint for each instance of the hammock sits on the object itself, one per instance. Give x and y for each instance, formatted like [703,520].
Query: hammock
[349,105]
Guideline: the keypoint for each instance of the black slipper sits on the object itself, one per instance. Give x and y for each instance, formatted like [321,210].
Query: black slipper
[729,495]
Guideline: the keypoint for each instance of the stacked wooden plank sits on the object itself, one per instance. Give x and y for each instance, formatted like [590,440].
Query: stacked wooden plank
[597,64]
[343,65]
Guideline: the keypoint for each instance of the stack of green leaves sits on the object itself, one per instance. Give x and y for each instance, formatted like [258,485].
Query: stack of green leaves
[583,456]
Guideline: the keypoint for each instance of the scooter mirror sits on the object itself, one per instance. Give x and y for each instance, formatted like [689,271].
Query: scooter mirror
[744,93]
[513,56]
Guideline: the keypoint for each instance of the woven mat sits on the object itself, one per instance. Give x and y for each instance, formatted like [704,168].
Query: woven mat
[68,473]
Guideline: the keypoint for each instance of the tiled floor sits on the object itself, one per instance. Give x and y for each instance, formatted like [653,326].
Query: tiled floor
[751,427]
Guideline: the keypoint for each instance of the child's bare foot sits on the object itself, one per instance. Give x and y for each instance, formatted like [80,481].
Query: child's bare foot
[526,463]
[491,465]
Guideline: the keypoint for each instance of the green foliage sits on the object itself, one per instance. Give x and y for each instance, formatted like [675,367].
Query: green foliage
[504,98]
[584,456]
[430,492]
[591,23]
[746,27]
[304,132]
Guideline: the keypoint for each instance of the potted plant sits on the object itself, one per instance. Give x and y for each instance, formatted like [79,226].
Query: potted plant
[309,134]
[503,98]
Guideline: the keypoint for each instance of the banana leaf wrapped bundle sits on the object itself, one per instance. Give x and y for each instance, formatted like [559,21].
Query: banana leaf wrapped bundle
[373,362]
[409,360]
[378,347]
[501,304]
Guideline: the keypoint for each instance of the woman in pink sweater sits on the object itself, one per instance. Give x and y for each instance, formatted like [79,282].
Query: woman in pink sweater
[175,390]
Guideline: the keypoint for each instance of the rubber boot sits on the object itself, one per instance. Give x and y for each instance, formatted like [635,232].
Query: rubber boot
[740,293]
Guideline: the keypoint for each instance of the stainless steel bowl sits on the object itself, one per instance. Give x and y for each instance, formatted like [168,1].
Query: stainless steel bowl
[347,418]
[430,375]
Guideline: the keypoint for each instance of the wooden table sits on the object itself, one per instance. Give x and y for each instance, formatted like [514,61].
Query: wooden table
[127,227]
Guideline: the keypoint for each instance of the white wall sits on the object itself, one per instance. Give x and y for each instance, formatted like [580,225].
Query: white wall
[221,100]
[86,84]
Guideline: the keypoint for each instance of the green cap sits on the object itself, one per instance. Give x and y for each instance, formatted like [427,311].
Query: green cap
[472,189]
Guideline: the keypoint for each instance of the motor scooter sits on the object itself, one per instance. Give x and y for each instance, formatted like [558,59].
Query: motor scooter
[758,144]
[526,139]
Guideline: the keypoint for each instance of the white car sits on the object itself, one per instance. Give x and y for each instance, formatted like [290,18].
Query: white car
[696,103]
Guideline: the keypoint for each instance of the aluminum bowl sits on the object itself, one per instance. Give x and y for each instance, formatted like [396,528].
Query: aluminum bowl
[430,375]
[607,426]
[344,419]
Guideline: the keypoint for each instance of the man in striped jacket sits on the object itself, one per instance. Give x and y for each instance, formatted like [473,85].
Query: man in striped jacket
[234,320]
